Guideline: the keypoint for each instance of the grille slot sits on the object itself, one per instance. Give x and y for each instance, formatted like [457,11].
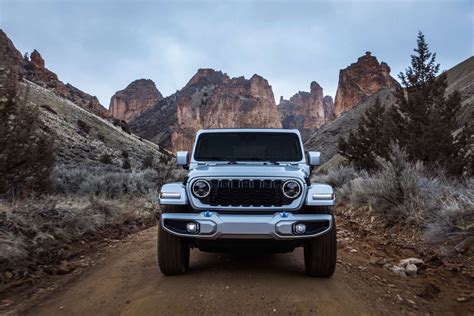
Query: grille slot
[246,193]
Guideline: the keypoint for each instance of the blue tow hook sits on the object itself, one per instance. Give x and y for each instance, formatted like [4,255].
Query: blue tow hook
[284,214]
[207,214]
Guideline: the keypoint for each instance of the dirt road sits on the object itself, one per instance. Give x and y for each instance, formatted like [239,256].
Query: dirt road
[128,282]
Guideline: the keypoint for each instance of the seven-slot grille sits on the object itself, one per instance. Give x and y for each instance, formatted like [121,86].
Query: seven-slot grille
[246,192]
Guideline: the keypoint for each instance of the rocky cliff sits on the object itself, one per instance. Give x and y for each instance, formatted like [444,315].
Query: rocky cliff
[209,100]
[306,111]
[34,69]
[360,80]
[137,97]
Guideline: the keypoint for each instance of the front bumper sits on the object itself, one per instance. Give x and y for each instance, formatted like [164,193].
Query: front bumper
[212,225]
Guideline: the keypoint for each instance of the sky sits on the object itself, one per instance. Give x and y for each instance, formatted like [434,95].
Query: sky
[100,46]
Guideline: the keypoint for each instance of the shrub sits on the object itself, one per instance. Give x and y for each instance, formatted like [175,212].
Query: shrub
[101,137]
[148,161]
[167,171]
[399,190]
[406,191]
[456,213]
[126,164]
[83,126]
[338,176]
[105,159]
[105,182]
[37,232]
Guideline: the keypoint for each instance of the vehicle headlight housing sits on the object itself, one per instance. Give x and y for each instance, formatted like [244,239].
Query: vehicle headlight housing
[291,189]
[201,188]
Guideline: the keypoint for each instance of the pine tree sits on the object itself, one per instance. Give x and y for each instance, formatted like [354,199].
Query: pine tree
[370,141]
[425,119]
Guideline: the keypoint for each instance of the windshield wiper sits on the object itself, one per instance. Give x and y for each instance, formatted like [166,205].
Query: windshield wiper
[273,162]
[215,158]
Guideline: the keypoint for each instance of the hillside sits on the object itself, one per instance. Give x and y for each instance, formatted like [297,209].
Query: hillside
[81,138]
[461,78]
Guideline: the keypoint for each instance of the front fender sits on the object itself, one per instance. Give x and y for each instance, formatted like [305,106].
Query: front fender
[320,195]
[173,194]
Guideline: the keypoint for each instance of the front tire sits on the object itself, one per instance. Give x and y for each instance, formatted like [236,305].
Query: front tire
[173,251]
[320,253]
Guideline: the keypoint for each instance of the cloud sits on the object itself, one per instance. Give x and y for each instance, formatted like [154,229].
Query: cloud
[101,46]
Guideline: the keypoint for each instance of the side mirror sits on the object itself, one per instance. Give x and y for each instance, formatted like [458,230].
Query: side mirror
[182,158]
[314,158]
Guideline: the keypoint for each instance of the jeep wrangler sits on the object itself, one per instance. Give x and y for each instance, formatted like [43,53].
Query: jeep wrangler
[247,188]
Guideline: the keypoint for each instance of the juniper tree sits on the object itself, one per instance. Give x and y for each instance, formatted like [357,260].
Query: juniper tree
[370,140]
[26,155]
[424,116]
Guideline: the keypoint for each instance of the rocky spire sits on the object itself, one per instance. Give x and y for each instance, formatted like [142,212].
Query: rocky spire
[306,111]
[361,79]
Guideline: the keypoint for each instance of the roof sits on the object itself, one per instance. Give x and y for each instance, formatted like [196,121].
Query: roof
[249,129]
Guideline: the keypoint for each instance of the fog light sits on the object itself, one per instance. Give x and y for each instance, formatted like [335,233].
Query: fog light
[192,228]
[300,229]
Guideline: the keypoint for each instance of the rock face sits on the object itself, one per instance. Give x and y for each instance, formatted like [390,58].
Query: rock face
[360,80]
[34,69]
[137,97]
[209,100]
[306,111]
[11,65]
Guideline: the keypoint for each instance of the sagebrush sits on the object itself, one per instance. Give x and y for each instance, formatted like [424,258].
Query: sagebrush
[43,231]
[405,192]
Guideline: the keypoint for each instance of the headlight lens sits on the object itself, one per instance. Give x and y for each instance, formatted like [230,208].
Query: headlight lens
[291,189]
[201,188]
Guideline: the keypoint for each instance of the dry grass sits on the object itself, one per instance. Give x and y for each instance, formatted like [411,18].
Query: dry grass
[85,203]
[37,232]
[403,192]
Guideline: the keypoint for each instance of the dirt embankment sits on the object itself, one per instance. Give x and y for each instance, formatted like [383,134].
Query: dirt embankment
[123,277]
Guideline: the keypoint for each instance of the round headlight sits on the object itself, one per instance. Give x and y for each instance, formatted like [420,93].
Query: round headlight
[291,189]
[201,188]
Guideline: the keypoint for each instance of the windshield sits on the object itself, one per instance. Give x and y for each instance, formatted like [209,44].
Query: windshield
[248,146]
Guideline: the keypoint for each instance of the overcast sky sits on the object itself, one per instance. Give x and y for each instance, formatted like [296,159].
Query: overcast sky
[101,46]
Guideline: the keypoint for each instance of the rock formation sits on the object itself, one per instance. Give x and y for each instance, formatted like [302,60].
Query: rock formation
[306,111]
[209,100]
[137,97]
[34,69]
[360,80]
[11,67]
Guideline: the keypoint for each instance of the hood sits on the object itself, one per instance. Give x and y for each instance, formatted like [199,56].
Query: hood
[248,171]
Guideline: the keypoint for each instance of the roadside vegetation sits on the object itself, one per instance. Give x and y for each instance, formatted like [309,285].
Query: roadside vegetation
[412,164]
[49,212]
[409,195]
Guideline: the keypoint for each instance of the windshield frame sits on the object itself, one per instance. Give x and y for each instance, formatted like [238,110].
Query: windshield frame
[263,161]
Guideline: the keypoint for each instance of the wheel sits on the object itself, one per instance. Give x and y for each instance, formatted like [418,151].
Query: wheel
[173,251]
[320,253]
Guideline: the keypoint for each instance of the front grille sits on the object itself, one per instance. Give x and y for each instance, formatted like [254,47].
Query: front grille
[246,193]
